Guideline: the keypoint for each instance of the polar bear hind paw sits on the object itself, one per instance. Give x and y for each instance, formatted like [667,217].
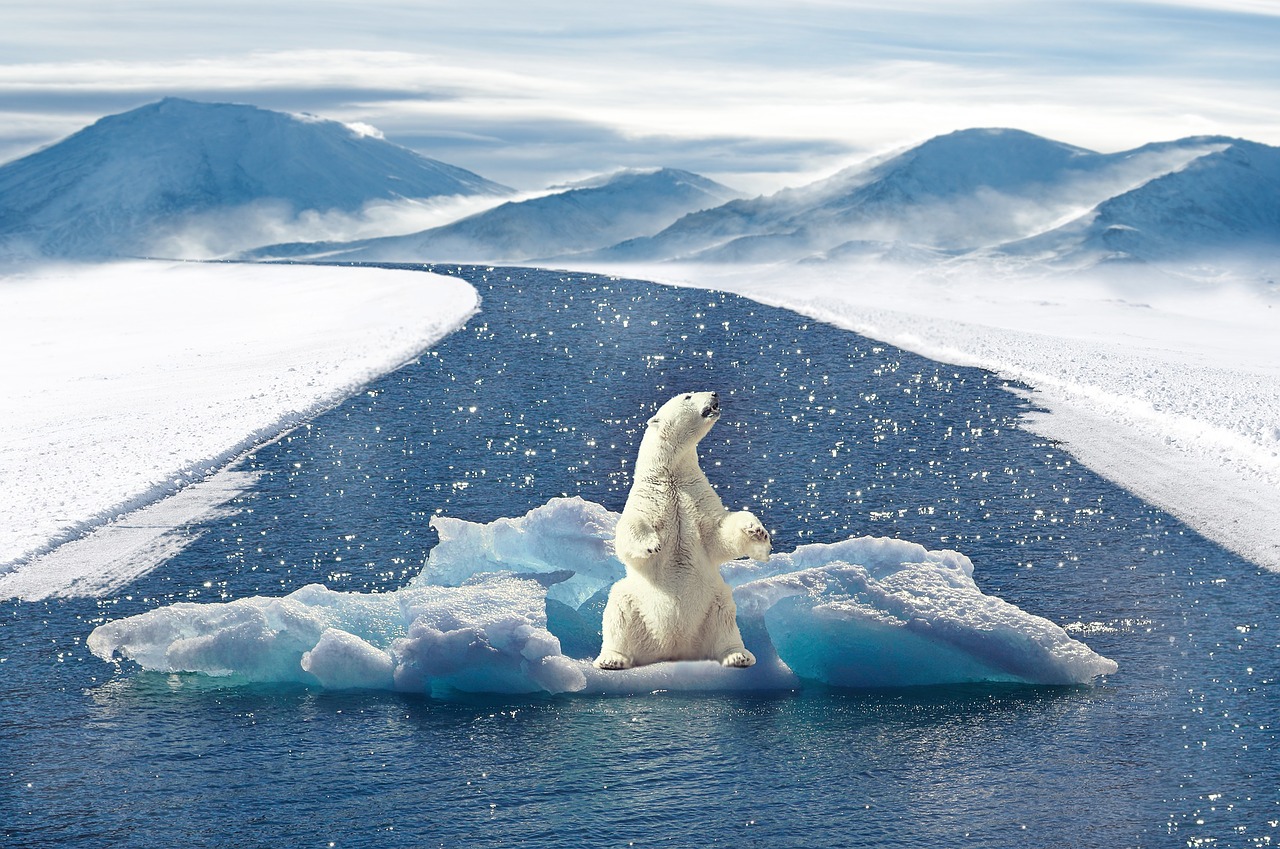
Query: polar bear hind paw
[740,658]
[609,659]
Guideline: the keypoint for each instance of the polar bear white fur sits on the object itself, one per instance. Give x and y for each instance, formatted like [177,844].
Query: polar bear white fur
[673,535]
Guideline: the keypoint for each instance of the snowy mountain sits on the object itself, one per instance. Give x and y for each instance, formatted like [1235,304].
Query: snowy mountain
[184,179]
[1224,202]
[582,217]
[140,181]
[952,194]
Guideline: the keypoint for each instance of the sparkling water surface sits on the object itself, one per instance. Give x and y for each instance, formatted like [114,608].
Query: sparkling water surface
[825,434]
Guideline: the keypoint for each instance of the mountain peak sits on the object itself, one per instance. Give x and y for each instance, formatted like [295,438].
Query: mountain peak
[106,189]
[995,158]
[638,176]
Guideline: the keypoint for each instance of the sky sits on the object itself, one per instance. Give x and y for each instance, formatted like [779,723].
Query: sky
[756,94]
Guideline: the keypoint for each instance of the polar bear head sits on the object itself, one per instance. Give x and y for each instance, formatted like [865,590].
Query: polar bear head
[685,419]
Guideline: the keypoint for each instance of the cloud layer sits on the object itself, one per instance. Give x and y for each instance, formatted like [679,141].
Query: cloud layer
[754,94]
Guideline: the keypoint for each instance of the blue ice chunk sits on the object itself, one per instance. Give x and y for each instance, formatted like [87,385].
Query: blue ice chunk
[867,612]
[876,612]
[563,534]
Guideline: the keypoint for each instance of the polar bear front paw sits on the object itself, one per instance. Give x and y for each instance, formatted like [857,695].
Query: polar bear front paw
[740,658]
[742,534]
[758,543]
[609,659]
[635,542]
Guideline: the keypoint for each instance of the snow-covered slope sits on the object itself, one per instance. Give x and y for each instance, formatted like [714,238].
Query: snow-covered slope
[132,183]
[582,217]
[125,382]
[1226,201]
[954,193]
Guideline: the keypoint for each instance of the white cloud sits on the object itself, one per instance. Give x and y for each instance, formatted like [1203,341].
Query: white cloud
[1245,7]
[538,90]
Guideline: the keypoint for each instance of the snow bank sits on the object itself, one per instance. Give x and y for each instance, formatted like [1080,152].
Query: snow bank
[859,613]
[1168,387]
[125,382]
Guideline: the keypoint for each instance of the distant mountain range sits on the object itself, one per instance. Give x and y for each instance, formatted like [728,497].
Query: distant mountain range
[1224,200]
[581,217]
[997,191]
[130,182]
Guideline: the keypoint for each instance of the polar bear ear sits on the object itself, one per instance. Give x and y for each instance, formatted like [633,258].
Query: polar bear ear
[655,421]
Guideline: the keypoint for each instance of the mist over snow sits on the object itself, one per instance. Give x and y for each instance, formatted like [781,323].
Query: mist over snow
[586,215]
[1225,203]
[969,190]
[185,179]
[225,233]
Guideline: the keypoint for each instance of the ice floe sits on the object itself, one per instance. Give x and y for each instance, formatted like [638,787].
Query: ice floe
[513,606]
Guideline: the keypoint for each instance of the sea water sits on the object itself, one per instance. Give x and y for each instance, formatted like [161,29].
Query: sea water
[824,435]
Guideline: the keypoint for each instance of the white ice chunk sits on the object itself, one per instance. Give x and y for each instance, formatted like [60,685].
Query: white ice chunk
[564,534]
[489,636]
[343,661]
[257,639]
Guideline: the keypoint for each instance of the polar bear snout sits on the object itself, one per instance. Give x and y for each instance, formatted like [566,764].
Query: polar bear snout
[712,408]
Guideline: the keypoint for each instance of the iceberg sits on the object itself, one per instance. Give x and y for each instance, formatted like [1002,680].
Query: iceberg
[513,606]
[488,636]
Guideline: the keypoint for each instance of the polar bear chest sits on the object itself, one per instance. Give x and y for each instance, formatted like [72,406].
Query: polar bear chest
[680,527]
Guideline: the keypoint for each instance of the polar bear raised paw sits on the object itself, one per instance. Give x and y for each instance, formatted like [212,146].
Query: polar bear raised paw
[751,540]
[740,658]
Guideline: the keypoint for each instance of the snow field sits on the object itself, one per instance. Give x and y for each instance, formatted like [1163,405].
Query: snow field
[125,382]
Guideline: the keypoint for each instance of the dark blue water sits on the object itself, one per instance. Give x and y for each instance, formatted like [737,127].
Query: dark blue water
[825,434]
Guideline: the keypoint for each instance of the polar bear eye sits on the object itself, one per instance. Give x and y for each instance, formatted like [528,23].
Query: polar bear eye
[689,397]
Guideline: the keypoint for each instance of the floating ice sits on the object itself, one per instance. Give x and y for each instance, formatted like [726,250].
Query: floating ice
[564,534]
[513,606]
[886,613]
[489,636]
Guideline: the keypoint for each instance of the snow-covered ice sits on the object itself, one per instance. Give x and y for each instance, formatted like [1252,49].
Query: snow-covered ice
[126,382]
[867,612]
[1168,387]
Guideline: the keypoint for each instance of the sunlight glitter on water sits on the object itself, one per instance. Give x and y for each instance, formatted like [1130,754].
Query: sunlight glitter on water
[825,435]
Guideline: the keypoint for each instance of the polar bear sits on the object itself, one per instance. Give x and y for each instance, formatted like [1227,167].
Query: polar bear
[673,535]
